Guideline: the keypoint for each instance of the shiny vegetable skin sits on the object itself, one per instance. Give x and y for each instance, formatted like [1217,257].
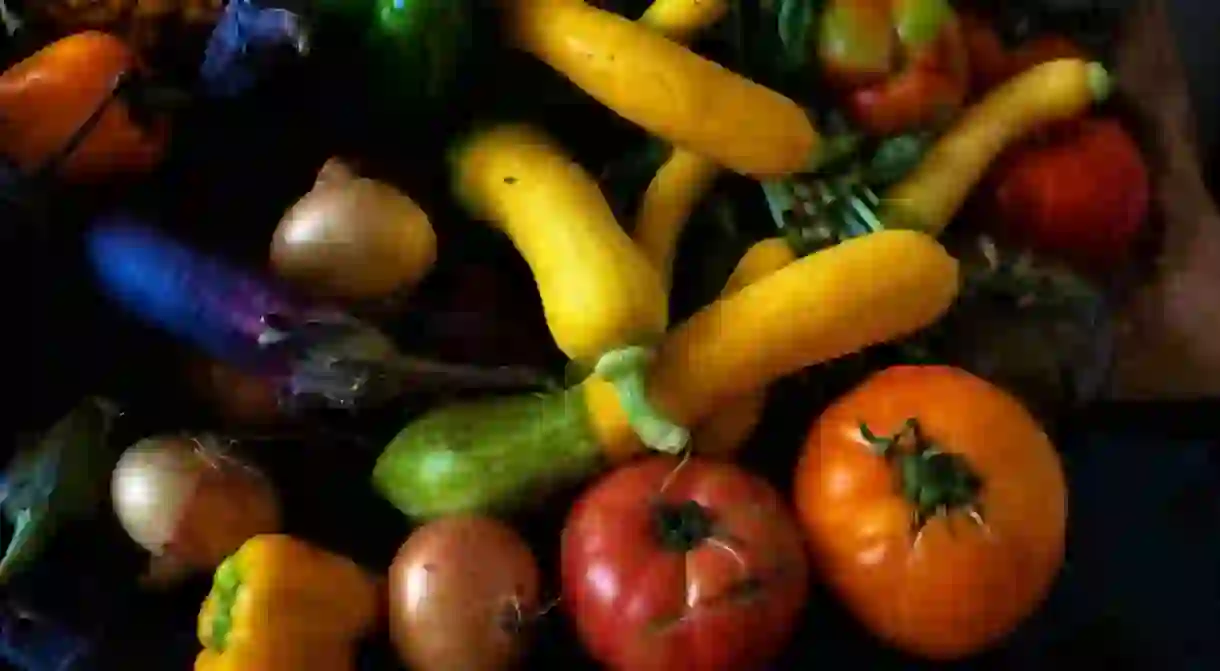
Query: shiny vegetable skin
[500,454]
[901,64]
[801,315]
[665,88]
[193,296]
[931,194]
[671,197]
[686,177]
[935,507]
[45,98]
[680,20]
[724,433]
[280,603]
[599,293]
[695,566]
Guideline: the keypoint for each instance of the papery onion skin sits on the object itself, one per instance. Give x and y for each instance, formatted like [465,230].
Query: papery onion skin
[463,591]
[353,238]
[183,498]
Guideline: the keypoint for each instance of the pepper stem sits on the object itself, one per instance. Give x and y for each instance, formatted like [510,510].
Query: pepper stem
[934,482]
[626,369]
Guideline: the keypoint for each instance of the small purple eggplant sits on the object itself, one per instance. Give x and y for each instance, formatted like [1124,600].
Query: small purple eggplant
[314,353]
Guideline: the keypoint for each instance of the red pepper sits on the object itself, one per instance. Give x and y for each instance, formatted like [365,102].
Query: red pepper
[901,64]
[46,98]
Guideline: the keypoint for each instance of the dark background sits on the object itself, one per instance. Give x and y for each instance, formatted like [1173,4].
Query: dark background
[1141,588]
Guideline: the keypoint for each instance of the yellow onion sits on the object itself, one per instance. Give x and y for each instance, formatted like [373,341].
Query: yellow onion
[189,503]
[353,238]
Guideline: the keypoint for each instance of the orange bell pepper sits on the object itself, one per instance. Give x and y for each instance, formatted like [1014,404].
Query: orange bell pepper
[47,97]
[279,603]
[901,64]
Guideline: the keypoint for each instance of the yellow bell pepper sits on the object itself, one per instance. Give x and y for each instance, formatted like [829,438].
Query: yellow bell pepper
[279,603]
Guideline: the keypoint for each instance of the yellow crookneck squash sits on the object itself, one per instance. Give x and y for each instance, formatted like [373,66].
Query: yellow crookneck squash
[930,196]
[665,88]
[494,455]
[604,302]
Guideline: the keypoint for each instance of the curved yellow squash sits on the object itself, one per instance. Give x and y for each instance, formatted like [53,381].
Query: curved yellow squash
[668,90]
[838,301]
[599,292]
[930,196]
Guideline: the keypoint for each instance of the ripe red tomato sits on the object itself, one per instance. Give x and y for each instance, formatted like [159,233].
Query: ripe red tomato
[942,540]
[1080,192]
[696,566]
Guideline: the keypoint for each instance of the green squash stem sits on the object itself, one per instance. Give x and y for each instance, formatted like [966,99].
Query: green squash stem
[493,456]
[627,369]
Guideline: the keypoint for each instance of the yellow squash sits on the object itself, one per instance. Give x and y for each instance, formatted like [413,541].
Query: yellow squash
[685,177]
[668,90]
[863,291]
[604,301]
[931,194]
[679,20]
[598,291]
[723,434]
[672,195]
[495,455]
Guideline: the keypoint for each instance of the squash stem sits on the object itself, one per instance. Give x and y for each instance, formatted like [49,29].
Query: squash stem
[1101,84]
[626,369]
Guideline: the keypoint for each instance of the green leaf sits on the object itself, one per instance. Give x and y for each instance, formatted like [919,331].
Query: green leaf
[62,478]
[895,157]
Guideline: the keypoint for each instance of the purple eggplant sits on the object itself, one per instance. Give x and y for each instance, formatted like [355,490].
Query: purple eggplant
[314,353]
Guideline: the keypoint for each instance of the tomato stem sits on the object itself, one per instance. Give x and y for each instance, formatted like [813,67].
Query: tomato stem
[933,481]
[681,527]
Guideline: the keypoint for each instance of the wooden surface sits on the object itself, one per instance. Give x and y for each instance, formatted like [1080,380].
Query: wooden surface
[1169,338]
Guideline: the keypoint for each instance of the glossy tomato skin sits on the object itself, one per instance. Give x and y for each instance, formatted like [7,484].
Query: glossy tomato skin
[958,586]
[1079,191]
[729,603]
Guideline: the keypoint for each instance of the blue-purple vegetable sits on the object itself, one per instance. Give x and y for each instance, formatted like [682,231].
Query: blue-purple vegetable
[314,353]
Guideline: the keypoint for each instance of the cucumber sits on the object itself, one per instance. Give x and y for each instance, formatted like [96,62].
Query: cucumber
[489,456]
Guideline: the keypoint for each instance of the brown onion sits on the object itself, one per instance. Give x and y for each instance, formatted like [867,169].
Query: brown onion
[189,503]
[463,591]
[353,238]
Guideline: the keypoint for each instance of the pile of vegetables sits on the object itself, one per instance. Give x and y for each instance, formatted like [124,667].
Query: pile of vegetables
[905,155]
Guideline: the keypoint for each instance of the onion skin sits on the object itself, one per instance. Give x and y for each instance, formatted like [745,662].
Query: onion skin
[189,504]
[461,591]
[353,238]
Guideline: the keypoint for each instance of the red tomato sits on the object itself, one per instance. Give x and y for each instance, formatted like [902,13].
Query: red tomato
[944,529]
[1080,191]
[696,566]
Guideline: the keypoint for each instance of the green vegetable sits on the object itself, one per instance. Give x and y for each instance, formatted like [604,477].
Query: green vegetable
[487,455]
[63,478]
[418,47]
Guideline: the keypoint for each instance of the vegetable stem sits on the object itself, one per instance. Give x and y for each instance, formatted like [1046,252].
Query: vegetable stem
[626,369]
[1101,84]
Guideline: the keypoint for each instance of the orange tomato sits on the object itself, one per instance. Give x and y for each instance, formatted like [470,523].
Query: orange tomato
[45,98]
[943,529]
